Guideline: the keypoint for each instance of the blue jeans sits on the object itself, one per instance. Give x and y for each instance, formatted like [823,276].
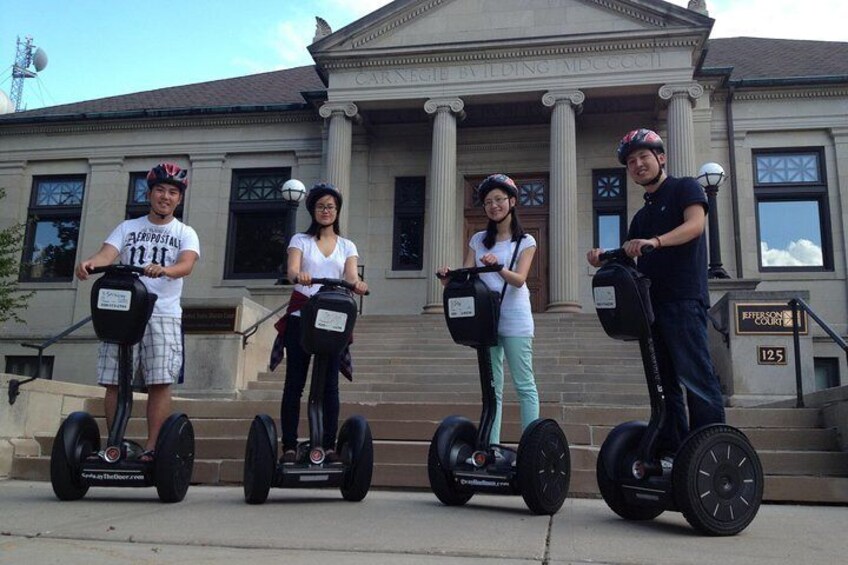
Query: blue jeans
[297,368]
[683,355]
[519,355]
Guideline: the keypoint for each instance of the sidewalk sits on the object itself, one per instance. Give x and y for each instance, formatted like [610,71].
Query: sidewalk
[214,525]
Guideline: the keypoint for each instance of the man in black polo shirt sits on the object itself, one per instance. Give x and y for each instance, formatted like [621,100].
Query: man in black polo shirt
[672,221]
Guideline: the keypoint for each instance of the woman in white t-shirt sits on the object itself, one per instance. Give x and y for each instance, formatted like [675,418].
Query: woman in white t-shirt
[502,240]
[320,252]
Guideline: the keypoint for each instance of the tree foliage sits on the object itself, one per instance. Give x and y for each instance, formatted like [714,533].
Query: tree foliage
[11,299]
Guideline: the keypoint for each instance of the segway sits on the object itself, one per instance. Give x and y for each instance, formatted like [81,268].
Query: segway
[328,318]
[120,309]
[461,460]
[715,479]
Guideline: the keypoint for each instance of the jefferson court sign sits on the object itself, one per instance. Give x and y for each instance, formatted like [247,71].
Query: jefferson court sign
[767,319]
[526,69]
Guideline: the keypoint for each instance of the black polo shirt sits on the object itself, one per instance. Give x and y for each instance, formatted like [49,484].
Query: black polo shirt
[678,272]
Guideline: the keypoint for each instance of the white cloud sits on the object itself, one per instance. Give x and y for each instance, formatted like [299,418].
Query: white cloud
[801,253]
[822,20]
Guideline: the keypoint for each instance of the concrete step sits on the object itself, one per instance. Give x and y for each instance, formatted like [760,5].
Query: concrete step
[778,488]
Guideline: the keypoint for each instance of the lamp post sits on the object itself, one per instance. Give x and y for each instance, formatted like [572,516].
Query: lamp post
[710,178]
[292,192]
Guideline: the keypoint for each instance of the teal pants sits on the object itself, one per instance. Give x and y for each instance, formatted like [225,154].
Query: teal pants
[519,355]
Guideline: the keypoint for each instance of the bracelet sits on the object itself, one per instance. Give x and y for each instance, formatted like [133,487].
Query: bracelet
[659,241]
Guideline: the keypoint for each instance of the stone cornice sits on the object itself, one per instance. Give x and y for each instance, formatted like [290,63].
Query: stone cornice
[529,52]
[786,94]
[630,12]
[87,126]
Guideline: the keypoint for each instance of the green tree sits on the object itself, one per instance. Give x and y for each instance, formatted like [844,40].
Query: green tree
[11,299]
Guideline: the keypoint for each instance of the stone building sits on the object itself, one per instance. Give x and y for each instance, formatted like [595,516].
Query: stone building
[406,110]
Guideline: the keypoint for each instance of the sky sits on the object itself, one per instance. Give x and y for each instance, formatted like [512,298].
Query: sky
[99,48]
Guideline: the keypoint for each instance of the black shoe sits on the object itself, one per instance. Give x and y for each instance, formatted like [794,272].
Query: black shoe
[331,457]
[289,457]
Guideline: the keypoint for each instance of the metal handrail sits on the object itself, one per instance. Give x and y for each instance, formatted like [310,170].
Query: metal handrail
[245,335]
[15,384]
[795,304]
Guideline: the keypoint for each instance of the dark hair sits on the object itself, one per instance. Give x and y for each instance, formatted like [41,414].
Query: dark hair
[514,226]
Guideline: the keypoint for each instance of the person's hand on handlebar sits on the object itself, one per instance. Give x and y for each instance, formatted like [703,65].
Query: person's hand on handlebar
[154,271]
[83,268]
[634,247]
[442,274]
[489,259]
[359,287]
[593,256]
[303,278]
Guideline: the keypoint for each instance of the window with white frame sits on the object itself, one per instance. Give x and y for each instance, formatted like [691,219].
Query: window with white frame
[793,218]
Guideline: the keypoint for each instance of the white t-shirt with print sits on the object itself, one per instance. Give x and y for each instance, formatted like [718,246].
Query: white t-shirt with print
[141,242]
[516,316]
[319,265]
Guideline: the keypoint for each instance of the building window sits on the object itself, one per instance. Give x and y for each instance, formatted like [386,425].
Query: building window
[532,192]
[408,238]
[27,366]
[137,203]
[50,246]
[609,205]
[827,372]
[261,224]
[793,218]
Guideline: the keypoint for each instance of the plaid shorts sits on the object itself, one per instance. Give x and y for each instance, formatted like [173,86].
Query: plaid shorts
[158,357]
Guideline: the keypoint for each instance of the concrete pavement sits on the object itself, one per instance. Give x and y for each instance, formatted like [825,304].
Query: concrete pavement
[214,525]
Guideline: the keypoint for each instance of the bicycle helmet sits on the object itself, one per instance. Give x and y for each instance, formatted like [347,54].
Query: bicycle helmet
[167,173]
[497,180]
[639,139]
[319,190]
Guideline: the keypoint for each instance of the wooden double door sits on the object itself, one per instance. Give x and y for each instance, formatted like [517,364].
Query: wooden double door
[533,214]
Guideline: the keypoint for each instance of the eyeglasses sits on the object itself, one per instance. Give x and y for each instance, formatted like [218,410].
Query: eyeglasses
[323,208]
[495,202]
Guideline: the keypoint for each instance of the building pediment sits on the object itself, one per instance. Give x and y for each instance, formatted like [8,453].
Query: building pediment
[431,27]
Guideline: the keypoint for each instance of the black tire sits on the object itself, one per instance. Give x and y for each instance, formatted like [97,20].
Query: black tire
[260,459]
[618,453]
[718,480]
[453,442]
[544,467]
[356,448]
[77,438]
[174,458]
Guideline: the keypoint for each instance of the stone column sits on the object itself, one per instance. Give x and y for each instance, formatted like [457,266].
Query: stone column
[563,252]
[680,145]
[443,245]
[209,216]
[339,143]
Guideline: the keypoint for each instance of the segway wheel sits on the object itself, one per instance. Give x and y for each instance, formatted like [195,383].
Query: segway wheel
[718,480]
[615,459]
[544,467]
[174,458]
[356,448]
[77,438]
[260,459]
[452,443]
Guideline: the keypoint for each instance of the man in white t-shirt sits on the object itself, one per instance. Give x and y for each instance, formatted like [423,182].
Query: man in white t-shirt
[167,250]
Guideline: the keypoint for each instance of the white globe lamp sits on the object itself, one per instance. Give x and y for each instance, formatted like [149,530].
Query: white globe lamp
[293,191]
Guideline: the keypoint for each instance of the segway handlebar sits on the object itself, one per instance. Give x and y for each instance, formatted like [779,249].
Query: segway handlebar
[464,272]
[117,269]
[620,255]
[337,282]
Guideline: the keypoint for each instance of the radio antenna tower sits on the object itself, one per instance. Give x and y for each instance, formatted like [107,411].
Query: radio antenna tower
[27,56]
